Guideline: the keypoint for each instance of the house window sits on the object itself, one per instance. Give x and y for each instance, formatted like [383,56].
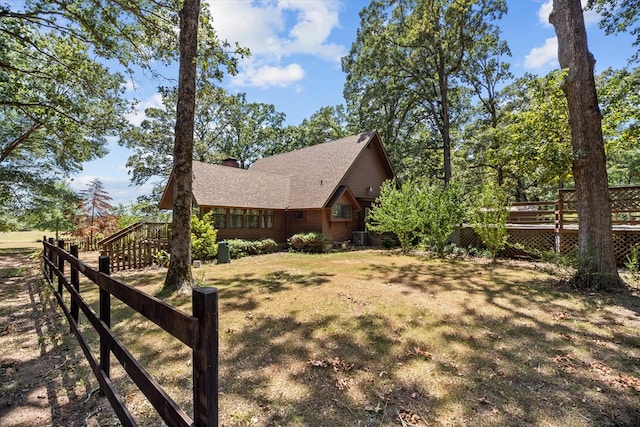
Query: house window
[267,219]
[253,218]
[341,212]
[236,218]
[220,218]
[298,215]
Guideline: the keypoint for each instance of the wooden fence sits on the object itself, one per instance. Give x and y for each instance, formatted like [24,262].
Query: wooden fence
[198,331]
[136,245]
[553,225]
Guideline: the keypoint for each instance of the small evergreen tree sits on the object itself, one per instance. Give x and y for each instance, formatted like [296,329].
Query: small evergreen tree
[96,218]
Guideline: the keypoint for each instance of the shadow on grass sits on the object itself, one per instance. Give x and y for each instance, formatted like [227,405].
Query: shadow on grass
[509,353]
[49,357]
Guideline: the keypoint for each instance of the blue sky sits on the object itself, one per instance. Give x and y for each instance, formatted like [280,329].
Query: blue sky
[296,48]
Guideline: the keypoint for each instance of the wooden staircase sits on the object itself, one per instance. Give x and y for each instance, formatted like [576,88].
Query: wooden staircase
[135,246]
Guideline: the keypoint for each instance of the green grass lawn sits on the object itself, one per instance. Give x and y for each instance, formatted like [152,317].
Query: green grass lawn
[374,338]
[21,240]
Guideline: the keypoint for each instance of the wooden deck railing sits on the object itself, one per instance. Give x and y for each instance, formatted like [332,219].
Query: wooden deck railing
[198,331]
[553,225]
[136,245]
[533,213]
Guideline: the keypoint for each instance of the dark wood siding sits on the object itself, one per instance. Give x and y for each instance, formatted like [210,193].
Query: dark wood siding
[367,171]
[312,222]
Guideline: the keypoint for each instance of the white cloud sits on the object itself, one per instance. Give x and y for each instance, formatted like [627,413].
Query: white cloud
[137,116]
[544,12]
[590,16]
[541,57]
[547,55]
[266,76]
[277,29]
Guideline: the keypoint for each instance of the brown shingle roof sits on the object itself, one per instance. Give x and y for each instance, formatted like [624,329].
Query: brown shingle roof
[216,185]
[300,179]
[315,171]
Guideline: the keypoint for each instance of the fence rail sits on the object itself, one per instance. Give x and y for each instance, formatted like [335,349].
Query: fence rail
[198,331]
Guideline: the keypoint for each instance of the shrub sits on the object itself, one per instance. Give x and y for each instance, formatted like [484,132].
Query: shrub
[309,242]
[203,237]
[239,248]
[399,211]
[417,212]
[489,217]
[162,258]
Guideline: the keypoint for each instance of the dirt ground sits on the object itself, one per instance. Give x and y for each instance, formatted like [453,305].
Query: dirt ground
[46,381]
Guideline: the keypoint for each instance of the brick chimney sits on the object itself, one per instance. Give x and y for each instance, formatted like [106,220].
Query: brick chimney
[231,162]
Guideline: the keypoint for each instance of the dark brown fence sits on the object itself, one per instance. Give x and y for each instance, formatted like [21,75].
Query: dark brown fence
[198,331]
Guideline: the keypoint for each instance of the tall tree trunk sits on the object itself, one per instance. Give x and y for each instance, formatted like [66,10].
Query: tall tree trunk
[179,273]
[596,262]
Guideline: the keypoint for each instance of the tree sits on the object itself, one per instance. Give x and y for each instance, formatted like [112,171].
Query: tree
[528,151]
[96,218]
[54,211]
[399,211]
[408,63]
[179,272]
[618,16]
[248,129]
[619,97]
[327,124]
[596,258]
[443,212]
[57,107]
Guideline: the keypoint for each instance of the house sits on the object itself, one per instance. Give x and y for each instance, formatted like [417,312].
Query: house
[326,188]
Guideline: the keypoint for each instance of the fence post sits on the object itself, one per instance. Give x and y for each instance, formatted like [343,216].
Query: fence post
[60,267]
[205,358]
[75,282]
[105,315]
[45,256]
[52,258]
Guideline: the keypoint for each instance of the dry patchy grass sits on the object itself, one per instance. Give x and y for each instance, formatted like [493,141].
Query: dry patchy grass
[372,338]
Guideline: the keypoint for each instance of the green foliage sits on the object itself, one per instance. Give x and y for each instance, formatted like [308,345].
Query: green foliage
[489,218]
[633,263]
[309,242]
[162,258]
[239,248]
[141,210]
[405,74]
[399,211]
[417,212]
[54,211]
[443,211]
[226,125]
[203,237]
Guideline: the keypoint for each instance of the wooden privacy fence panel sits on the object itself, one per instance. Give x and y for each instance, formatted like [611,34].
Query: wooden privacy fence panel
[198,331]
[136,245]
